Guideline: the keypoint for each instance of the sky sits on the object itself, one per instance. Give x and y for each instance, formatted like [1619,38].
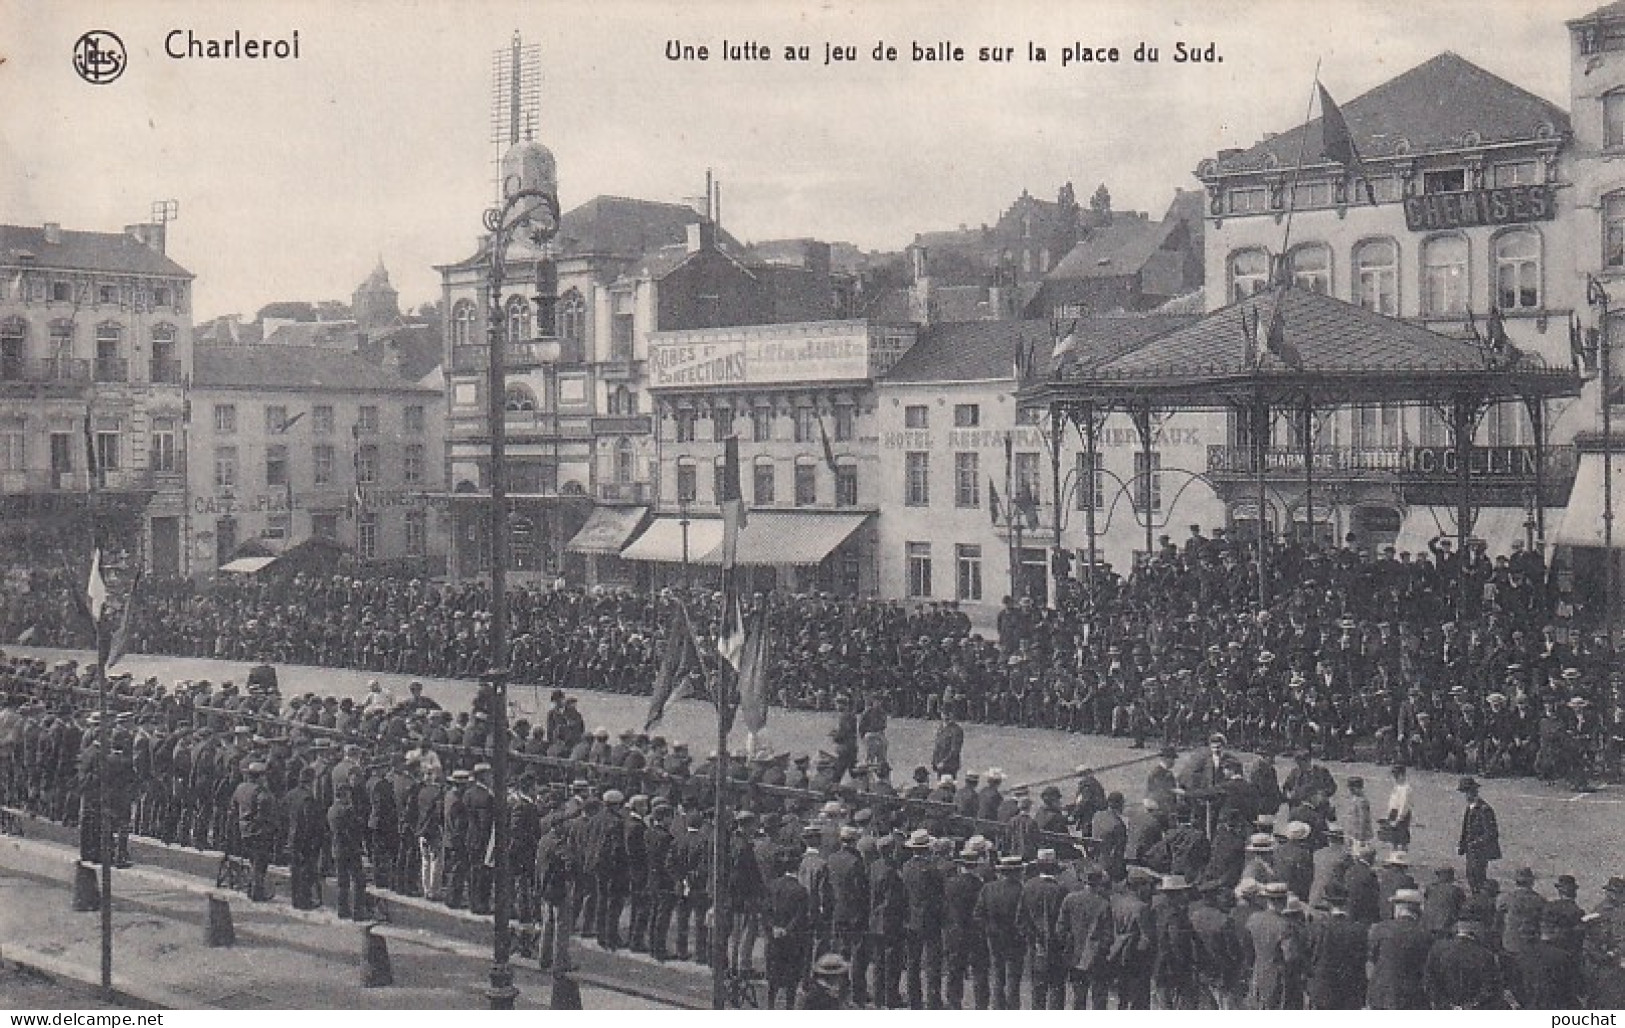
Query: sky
[295,177]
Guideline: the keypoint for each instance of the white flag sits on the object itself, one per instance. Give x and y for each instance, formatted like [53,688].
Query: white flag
[96,589]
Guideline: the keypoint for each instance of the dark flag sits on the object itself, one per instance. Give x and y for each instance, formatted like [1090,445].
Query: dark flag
[678,655]
[1501,351]
[1338,142]
[992,501]
[753,677]
[829,451]
[732,503]
[1275,339]
[1577,350]
[119,643]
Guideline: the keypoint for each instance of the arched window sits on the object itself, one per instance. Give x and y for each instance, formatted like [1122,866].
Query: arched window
[1249,273]
[1312,268]
[624,461]
[462,323]
[1517,270]
[518,319]
[1376,276]
[1444,275]
[572,317]
[1613,230]
[518,397]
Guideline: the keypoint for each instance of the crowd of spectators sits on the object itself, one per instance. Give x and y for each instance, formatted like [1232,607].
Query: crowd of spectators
[1459,662]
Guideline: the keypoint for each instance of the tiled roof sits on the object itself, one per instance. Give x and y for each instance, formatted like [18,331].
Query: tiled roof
[292,367]
[1111,251]
[972,351]
[1330,336]
[1613,10]
[619,226]
[417,343]
[88,251]
[1434,106]
[314,333]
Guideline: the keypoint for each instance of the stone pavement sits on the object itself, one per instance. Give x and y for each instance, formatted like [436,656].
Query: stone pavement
[282,958]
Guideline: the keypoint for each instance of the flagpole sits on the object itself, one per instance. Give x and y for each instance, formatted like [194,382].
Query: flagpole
[104,827]
[719,834]
[1292,190]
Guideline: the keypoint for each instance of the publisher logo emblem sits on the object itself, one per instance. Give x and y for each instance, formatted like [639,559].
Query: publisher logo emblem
[99,57]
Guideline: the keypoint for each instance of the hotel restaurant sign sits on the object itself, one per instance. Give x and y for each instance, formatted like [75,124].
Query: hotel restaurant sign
[1509,205]
[759,355]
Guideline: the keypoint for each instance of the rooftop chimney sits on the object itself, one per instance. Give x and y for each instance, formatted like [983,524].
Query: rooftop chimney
[149,234]
[702,235]
[53,232]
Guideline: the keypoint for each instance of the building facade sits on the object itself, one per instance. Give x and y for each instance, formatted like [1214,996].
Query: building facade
[1597,165]
[801,399]
[292,442]
[982,499]
[1466,221]
[95,351]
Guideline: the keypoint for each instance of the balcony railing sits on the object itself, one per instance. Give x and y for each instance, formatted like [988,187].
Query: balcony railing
[44,480]
[44,369]
[624,492]
[470,358]
[112,369]
[164,372]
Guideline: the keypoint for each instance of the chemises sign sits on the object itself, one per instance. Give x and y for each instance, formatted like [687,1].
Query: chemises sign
[1509,205]
[769,356]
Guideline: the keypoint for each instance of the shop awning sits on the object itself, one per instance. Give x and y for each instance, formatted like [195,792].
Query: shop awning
[248,565]
[662,541]
[607,530]
[1582,521]
[790,538]
[1499,527]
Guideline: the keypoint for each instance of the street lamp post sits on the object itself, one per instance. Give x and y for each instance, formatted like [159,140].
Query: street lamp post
[529,201]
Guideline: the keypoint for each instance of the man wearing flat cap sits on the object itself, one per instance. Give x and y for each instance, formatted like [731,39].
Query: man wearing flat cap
[253,811]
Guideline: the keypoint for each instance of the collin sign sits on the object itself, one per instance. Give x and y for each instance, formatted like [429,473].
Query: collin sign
[1509,205]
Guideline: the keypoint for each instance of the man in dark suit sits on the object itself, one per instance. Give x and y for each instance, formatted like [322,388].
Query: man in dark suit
[1462,973]
[1041,898]
[1337,954]
[789,933]
[964,947]
[1396,955]
[1085,928]
[923,886]
[1480,840]
[1544,975]
[304,840]
[998,911]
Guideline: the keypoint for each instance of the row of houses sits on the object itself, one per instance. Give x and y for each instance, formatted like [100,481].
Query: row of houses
[884,448]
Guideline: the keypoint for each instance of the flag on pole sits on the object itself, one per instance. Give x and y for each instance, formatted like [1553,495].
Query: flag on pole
[1596,295]
[1338,142]
[96,588]
[992,500]
[1275,339]
[731,636]
[26,636]
[829,451]
[90,455]
[677,653]
[753,677]
[732,502]
[1065,343]
[119,643]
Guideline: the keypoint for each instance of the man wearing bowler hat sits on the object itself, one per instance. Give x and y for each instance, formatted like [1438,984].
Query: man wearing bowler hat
[1480,840]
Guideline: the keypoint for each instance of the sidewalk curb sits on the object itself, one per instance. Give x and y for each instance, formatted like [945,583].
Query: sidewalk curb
[179,881]
[124,991]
